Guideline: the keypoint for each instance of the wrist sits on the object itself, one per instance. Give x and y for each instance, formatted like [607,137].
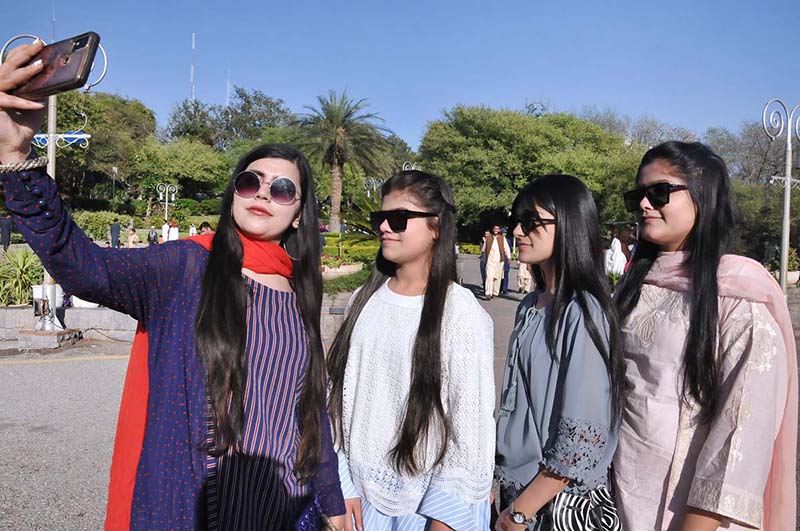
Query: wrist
[521,515]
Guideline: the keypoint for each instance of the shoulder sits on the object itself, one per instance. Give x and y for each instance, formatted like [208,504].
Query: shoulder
[463,309]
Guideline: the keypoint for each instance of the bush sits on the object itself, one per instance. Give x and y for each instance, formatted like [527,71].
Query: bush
[469,248]
[96,224]
[19,271]
[210,207]
[345,283]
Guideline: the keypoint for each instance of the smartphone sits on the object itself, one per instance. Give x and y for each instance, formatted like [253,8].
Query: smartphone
[67,65]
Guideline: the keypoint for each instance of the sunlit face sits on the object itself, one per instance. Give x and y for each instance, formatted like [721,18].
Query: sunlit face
[536,246]
[668,226]
[259,217]
[413,244]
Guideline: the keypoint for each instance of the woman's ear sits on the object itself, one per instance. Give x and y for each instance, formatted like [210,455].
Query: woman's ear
[296,222]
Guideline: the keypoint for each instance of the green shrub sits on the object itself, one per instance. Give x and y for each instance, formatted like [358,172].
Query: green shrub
[210,207]
[345,283]
[96,224]
[469,248]
[19,271]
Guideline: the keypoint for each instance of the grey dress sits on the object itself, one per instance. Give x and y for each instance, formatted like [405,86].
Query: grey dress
[569,431]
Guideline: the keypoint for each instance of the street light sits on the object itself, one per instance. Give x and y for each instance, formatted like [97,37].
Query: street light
[774,123]
[164,191]
[408,166]
[113,183]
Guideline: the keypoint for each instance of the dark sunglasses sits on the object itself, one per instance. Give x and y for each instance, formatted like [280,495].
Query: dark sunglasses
[530,220]
[398,219]
[658,195]
[282,190]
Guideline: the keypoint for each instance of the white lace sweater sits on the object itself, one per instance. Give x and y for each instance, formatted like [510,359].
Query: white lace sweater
[376,386]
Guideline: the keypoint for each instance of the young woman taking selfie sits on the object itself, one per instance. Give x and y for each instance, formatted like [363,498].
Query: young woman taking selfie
[235,432]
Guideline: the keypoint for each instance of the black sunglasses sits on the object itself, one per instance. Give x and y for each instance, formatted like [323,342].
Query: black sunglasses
[282,190]
[398,219]
[658,195]
[530,220]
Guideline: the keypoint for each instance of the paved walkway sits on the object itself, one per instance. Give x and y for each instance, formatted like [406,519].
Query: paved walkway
[502,310]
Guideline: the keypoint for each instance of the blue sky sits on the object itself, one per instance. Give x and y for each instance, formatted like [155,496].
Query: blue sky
[696,64]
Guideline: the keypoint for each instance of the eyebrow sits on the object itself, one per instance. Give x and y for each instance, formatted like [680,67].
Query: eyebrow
[275,176]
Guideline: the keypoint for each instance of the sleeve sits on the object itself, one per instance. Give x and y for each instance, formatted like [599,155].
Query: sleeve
[580,435]
[733,465]
[117,279]
[326,482]
[459,515]
[468,465]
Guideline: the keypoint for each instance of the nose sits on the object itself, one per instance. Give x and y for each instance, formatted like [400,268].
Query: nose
[263,192]
[385,226]
[644,204]
[518,233]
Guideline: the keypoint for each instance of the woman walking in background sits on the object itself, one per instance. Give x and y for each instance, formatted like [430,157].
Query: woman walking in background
[709,433]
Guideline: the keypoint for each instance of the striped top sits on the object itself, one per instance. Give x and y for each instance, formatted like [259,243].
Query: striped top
[254,484]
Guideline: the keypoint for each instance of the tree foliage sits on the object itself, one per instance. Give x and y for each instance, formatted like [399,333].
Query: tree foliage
[489,154]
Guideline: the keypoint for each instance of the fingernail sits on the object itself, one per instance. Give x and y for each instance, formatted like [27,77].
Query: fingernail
[37,41]
[37,62]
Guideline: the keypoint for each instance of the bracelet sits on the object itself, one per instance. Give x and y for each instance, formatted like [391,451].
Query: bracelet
[29,164]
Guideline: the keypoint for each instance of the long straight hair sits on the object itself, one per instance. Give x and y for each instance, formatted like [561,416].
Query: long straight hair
[579,269]
[424,412]
[221,328]
[710,237]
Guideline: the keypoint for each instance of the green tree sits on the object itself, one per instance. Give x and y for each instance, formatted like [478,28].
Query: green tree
[118,126]
[194,120]
[340,132]
[248,115]
[488,155]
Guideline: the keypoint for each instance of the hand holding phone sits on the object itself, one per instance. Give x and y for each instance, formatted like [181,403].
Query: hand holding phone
[66,66]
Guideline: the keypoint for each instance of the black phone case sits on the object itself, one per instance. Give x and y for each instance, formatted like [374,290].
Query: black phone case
[64,69]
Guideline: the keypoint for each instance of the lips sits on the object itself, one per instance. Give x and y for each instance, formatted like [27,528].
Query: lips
[259,211]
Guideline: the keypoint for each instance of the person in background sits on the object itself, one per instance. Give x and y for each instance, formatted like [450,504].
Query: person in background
[165,231]
[205,228]
[192,230]
[524,277]
[496,256]
[133,239]
[486,236]
[506,265]
[5,231]
[152,236]
[114,232]
[173,231]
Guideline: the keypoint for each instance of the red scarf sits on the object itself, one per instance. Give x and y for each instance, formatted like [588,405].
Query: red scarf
[264,258]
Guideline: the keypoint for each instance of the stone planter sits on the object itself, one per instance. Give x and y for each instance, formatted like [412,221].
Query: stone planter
[792,277]
[342,270]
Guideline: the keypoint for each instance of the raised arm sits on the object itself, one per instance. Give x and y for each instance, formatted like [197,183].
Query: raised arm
[122,280]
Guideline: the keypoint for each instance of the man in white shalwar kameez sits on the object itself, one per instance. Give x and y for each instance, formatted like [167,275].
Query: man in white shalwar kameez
[496,256]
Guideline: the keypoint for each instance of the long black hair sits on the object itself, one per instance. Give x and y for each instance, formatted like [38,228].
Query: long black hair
[579,269]
[706,175]
[423,411]
[220,326]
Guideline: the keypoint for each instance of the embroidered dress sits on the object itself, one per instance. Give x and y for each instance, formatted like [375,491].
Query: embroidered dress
[376,386]
[666,460]
[569,431]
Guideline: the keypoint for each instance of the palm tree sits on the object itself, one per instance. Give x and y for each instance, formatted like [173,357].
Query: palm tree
[340,132]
